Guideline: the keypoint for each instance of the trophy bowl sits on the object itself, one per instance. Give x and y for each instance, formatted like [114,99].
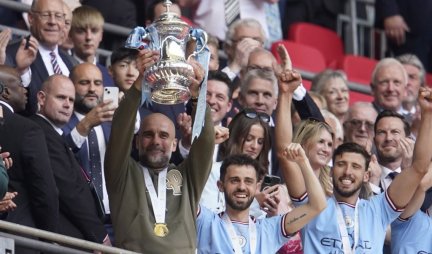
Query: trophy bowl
[170,77]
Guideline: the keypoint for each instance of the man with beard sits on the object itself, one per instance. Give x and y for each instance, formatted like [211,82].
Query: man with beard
[154,203]
[239,182]
[394,147]
[360,225]
[89,127]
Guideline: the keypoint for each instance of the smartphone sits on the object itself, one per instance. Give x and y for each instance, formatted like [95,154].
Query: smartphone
[111,93]
[27,42]
[269,181]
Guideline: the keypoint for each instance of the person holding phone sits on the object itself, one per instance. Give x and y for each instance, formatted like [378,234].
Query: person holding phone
[235,229]
[89,127]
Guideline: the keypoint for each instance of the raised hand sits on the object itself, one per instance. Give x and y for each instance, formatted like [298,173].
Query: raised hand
[185,122]
[286,63]
[295,153]
[25,56]
[146,58]
[425,99]
[103,112]
[288,79]
[407,145]
[197,79]
[269,200]
[221,134]
[242,52]
[5,36]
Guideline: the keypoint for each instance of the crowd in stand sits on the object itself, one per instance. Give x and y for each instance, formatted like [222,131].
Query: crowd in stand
[276,168]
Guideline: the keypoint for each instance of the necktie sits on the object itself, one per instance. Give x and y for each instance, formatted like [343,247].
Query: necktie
[273,22]
[55,65]
[392,175]
[95,162]
[232,11]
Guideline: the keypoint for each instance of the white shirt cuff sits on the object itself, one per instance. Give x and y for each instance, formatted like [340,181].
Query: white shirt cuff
[299,93]
[183,151]
[26,78]
[375,189]
[77,138]
[232,75]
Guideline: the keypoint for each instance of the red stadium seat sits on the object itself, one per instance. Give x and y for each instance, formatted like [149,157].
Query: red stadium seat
[302,56]
[323,39]
[429,79]
[358,68]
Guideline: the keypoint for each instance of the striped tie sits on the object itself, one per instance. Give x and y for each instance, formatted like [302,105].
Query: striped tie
[54,63]
[232,11]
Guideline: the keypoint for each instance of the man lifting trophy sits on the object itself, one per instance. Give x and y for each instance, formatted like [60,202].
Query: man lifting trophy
[168,80]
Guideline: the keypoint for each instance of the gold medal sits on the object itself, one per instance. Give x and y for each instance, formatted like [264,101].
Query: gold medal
[161,229]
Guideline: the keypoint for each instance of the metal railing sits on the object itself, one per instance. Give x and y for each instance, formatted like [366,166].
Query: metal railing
[53,237]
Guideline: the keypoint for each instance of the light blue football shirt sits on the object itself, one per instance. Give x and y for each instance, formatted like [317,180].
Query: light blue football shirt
[413,235]
[213,235]
[322,235]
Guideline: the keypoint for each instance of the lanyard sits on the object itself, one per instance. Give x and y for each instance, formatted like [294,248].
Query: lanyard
[342,227]
[158,200]
[234,237]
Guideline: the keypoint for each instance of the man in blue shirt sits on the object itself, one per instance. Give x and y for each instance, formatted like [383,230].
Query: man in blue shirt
[234,231]
[412,231]
[353,225]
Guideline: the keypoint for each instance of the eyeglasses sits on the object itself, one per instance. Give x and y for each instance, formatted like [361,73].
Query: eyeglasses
[359,123]
[252,114]
[46,15]
[257,67]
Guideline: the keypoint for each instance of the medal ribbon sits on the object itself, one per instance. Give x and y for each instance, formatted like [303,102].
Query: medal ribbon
[342,227]
[158,200]
[202,55]
[234,237]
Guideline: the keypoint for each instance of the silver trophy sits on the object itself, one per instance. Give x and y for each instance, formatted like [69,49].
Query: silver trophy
[168,79]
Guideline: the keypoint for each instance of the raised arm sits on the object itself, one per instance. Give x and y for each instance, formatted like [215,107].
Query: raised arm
[288,81]
[419,196]
[123,124]
[403,187]
[300,216]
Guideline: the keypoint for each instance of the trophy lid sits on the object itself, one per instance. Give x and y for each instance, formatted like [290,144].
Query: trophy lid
[169,17]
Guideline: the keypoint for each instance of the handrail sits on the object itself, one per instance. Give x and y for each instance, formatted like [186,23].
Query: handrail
[108,27]
[58,238]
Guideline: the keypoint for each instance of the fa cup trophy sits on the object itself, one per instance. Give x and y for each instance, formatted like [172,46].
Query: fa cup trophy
[168,79]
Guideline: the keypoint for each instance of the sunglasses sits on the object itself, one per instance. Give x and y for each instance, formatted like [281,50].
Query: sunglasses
[251,113]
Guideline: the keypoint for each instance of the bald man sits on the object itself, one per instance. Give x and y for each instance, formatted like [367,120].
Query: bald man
[90,124]
[154,203]
[78,213]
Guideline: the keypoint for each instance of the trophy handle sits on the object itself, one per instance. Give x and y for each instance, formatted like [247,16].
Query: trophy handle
[200,36]
[136,37]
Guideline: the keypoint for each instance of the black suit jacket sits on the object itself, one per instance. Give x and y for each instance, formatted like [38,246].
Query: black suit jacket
[31,175]
[78,215]
[39,75]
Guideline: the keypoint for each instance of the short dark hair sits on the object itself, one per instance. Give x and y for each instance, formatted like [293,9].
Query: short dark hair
[350,147]
[239,160]
[150,9]
[222,77]
[123,53]
[390,113]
